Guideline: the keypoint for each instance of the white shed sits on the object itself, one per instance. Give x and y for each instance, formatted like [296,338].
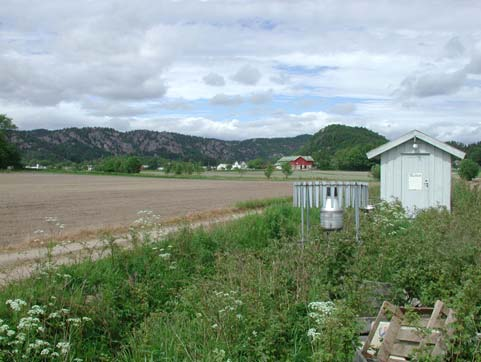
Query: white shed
[416,169]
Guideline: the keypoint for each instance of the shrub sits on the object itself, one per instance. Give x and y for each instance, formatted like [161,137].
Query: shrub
[468,169]
[287,169]
[376,171]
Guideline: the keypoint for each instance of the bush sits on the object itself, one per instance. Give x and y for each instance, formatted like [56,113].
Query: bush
[376,171]
[120,164]
[468,169]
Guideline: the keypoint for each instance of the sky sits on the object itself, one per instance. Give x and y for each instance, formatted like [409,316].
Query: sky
[238,69]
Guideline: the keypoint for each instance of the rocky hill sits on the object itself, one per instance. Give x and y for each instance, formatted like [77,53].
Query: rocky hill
[83,144]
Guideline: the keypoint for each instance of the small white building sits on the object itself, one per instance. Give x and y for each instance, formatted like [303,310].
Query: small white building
[416,169]
[239,166]
[222,167]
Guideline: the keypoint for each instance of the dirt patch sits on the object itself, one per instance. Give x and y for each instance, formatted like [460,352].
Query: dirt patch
[85,204]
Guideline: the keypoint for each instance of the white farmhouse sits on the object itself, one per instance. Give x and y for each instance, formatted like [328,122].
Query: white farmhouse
[416,169]
[239,166]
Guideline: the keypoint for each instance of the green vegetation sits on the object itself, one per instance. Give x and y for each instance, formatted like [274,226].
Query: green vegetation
[286,169]
[376,171]
[120,164]
[468,169]
[262,203]
[246,290]
[268,171]
[473,150]
[343,147]
[182,168]
[9,156]
[256,164]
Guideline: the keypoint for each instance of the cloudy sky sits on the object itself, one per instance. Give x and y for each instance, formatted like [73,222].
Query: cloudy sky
[237,69]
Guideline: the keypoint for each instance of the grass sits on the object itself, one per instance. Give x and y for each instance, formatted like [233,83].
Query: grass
[261,203]
[230,175]
[246,290]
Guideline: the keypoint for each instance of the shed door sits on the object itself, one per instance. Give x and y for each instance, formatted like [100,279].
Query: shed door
[415,181]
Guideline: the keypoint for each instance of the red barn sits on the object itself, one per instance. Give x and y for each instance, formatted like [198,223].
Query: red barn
[297,162]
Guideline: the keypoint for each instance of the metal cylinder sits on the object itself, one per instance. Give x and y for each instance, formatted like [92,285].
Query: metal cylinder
[332,214]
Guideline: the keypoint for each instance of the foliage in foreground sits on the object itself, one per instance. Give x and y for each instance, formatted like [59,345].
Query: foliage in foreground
[9,156]
[246,291]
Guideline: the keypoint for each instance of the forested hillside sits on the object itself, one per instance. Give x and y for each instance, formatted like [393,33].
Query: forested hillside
[342,147]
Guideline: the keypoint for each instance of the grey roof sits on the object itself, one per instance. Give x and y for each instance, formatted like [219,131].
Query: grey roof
[292,158]
[415,133]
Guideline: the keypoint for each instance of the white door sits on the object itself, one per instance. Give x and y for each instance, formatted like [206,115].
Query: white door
[415,181]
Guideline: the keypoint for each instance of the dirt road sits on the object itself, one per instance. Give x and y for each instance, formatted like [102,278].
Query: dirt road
[83,202]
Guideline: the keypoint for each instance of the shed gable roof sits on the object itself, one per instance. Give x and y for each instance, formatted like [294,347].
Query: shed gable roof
[415,133]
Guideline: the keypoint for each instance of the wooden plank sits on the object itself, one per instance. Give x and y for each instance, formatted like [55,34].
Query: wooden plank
[380,316]
[410,334]
[404,349]
[390,338]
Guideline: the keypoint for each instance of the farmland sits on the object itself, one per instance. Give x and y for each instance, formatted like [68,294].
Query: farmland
[246,290]
[278,176]
[82,202]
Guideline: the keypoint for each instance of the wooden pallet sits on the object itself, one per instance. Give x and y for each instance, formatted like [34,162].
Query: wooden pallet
[404,336]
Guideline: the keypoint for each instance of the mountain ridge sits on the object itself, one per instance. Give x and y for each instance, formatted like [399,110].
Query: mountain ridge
[89,143]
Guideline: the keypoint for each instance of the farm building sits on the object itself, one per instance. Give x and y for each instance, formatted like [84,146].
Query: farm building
[239,166]
[297,162]
[416,169]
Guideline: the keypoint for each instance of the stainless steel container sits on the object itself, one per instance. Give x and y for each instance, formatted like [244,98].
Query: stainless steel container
[332,214]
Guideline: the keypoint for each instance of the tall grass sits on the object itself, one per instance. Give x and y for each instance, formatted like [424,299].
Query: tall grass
[247,291]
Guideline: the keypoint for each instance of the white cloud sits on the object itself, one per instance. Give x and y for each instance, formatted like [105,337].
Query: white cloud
[247,75]
[343,108]
[432,84]
[214,79]
[120,62]
[226,100]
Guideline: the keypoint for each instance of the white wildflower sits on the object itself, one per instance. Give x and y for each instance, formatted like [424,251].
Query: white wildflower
[312,333]
[215,325]
[36,310]
[165,255]
[28,322]
[16,304]
[10,332]
[64,347]
[45,352]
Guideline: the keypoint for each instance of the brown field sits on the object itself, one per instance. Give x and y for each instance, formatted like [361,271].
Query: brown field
[83,202]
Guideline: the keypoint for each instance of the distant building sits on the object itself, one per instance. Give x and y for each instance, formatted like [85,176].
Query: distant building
[239,166]
[297,162]
[222,167]
[416,170]
[36,167]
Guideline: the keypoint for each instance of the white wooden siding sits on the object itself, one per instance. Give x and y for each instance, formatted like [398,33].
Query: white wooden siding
[439,173]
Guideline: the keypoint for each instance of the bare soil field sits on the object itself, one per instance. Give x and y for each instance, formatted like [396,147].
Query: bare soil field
[83,202]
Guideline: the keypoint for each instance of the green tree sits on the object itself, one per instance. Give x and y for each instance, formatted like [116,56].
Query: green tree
[268,171]
[475,154]
[9,156]
[468,169]
[257,163]
[6,123]
[287,169]
[131,165]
